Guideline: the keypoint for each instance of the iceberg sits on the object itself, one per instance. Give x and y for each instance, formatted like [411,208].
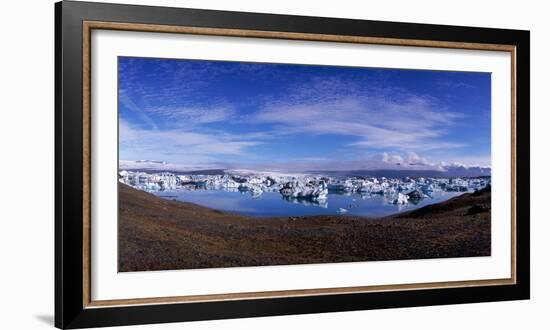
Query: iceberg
[311,190]
[416,195]
[401,199]
[307,189]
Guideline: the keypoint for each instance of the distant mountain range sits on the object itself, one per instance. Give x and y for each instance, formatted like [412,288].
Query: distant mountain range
[447,170]
[462,170]
[452,172]
[154,166]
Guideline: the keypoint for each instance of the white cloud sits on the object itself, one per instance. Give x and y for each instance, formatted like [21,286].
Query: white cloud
[391,158]
[407,123]
[377,161]
[130,105]
[414,159]
[189,116]
[375,119]
[181,146]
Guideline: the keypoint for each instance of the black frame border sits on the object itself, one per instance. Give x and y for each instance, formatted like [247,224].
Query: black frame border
[69,307]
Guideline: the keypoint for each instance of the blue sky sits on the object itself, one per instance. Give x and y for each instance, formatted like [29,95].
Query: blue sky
[285,116]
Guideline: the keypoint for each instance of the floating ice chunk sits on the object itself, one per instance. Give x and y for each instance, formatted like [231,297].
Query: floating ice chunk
[341,210]
[345,185]
[401,199]
[243,187]
[304,188]
[415,195]
[310,190]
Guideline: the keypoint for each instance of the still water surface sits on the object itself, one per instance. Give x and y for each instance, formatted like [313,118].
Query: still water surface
[271,204]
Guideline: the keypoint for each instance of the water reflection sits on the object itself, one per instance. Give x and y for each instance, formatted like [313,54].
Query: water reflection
[306,201]
[274,204]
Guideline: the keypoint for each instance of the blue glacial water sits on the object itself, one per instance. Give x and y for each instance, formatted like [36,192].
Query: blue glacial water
[270,204]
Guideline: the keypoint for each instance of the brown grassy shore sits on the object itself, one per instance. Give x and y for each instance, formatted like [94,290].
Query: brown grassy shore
[159,234]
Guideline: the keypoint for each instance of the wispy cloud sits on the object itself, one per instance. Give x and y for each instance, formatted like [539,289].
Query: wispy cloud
[454,84]
[130,105]
[376,120]
[206,112]
[375,161]
[190,116]
[181,146]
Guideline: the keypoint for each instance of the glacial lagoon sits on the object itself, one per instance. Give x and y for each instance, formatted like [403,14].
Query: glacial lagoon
[276,195]
[273,204]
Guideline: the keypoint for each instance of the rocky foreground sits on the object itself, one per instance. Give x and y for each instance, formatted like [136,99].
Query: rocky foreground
[159,234]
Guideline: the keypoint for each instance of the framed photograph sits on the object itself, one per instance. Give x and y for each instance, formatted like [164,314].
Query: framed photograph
[215,164]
